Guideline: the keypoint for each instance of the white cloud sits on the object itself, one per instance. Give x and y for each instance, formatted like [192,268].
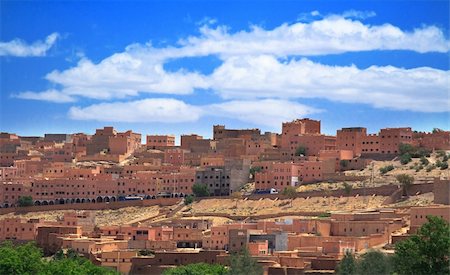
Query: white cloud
[330,35]
[252,68]
[122,75]
[19,48]
[147,110]
[420,89]
[358,14]
[267,112]
[49,95]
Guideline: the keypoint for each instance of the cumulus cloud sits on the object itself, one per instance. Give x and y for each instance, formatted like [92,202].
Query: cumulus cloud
[420,89]
[264,64]
[147,110]
[268,112]
[20,48]
[330,35]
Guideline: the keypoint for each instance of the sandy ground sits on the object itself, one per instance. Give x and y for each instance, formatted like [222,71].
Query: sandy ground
[419,200]
[269,206]
[102,217]
[316,204]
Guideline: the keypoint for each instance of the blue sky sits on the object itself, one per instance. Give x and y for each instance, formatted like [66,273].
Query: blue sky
[181,66]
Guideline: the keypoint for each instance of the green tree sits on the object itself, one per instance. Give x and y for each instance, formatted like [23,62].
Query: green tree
[254,170]
[405,148]
[242,263]
[200,190]
[197,269]
[75,266]
[347,266]
[188,199]
[25,201]
[27,259]
[290,192]
[406,181]
[301,151]
[444,165]
[22,259]
[426,252]
[374,263]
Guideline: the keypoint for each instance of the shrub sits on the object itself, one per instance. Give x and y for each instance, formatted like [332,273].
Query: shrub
[424,160]
[324,215]
[25,201]
[385,169]
[405,158]
[188,199]
[414,152]
[200,190]
[146,252]
[444,165]
[254,170]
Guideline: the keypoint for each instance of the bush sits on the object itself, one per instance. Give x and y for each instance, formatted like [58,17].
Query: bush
[424,160]
[254,170]
[324,215]
[243,263]
[405,158]
[414,152]
[188,199]
[430,167]
[445,158]
[421,152]
[146,252]
[444,165]
[25,201]
[200,190]
[385,169]
[440,153]
[404,148]
[197,269]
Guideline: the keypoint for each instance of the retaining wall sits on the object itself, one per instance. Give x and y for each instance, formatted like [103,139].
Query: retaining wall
[91,206]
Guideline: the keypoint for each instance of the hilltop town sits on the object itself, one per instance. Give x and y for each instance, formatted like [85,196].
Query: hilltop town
[296,200]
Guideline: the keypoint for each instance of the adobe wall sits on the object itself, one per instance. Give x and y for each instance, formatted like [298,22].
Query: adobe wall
[91,206]
[441,190]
